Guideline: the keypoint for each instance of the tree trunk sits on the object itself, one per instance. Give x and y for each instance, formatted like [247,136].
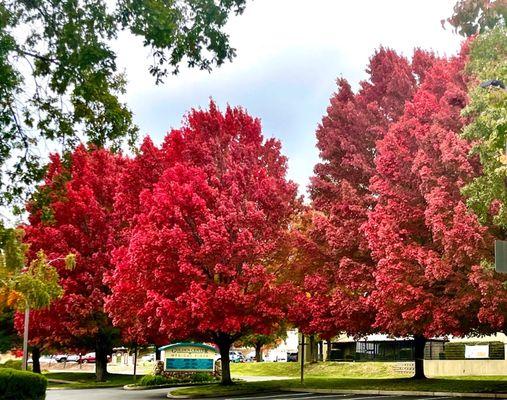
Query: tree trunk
[224,343]
[258,352]
[312,346]
[158,354]
[101,351]
[328,350]
[36,360]
[135,362]
[419,343]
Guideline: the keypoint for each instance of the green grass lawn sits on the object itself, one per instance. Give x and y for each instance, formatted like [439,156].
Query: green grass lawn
[321,370]
[83,380]
[469,384]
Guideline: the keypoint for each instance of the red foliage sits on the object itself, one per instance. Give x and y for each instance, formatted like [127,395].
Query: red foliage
[427,244]
[335,293]
[197,257]
[72,213]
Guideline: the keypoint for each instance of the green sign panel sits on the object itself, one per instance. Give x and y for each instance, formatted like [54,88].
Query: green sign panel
[189,364]
[189,357]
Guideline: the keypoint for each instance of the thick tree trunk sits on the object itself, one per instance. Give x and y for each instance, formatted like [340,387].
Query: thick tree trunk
[36,360]
[328,350]
[258,352]
[101,351]
[224,343]
[419,343]
[313,346]
[158,354]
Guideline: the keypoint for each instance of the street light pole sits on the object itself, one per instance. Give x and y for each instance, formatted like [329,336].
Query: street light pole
[24,365]
[302,357]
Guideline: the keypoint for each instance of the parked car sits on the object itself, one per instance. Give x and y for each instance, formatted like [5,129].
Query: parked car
[88,358]
[148,358]
[73,358]
[236,356]
[61,358]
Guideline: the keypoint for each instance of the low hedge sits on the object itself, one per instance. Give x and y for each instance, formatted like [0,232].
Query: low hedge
[154,380]
[21,385]
[13,364]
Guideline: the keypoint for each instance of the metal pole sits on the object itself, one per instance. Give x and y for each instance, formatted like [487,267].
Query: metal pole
[135,362]
[302,357]
[24,365]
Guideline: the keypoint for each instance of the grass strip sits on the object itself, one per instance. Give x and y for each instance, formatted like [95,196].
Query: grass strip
[86,380]
[469,385]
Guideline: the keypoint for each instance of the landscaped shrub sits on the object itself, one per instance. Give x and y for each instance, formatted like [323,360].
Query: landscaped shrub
[13,364]
[21,385]
[201,377]
[152,380]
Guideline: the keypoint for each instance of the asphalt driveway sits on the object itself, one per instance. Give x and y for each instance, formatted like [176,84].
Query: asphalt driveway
[120,394]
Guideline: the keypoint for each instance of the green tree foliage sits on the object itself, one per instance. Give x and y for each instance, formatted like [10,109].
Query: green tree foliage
[487,110]
[35,285]
[59,83]
[477,16]
[258,341]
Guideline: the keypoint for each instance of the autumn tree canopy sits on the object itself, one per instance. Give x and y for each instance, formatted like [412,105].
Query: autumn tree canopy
[338,276]
[72,213]
[204,231]
[427,245]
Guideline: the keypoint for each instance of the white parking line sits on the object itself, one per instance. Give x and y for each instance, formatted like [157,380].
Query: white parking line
[315,396]
[436,398]
[274,396]
[297,396]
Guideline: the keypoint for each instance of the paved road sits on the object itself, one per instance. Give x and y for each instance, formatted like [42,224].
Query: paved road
[119,394]
[106,394]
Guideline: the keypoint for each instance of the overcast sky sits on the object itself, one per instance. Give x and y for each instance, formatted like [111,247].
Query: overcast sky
[289,54]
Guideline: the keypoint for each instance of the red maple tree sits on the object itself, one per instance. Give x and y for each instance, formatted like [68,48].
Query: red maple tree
[335,290]
[427,245]
[205,231]
[72,213]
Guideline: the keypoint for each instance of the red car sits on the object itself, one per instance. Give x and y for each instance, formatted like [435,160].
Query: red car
[90,358]
[87,358]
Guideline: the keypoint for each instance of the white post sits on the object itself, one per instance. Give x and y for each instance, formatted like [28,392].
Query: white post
[24,364]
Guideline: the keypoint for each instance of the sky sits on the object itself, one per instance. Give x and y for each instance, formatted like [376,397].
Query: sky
[289,55]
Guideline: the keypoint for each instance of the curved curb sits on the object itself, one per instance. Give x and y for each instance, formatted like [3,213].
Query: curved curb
[239,393]
[131,386]
[400,393]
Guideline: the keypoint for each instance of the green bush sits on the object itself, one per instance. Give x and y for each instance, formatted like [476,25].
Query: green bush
[21,385]
[13,364]
[201,377]
[152,380]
